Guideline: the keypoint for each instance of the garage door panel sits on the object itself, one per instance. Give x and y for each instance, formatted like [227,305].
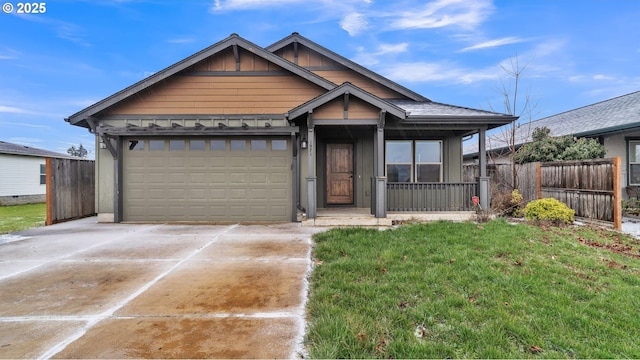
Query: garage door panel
[210,184]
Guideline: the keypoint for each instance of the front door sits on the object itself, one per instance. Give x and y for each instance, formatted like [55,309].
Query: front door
[339,174]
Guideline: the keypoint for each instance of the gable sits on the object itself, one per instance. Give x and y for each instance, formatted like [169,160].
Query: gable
[335,72]
[357,109]
[216,86]
[129,98]
[298,49]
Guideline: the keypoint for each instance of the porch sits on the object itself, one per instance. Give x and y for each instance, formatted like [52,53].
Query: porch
[362,217]
[419,202]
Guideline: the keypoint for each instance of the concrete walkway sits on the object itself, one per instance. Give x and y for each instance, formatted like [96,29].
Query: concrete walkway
[87,290]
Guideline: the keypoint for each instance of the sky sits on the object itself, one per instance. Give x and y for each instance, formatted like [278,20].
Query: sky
[71,54]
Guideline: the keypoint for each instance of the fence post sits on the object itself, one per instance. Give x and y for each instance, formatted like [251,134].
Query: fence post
[539,180]
[49,189]
[617,195]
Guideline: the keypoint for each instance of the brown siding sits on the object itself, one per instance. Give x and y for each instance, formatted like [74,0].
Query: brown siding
[221,95]
[358,109]
[226,61]
[335,72]
[341,76]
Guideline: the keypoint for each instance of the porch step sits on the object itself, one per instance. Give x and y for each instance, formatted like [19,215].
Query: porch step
[340,221]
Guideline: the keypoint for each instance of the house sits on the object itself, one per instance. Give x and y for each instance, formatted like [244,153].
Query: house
[615,123]
[23,174]
[238,132]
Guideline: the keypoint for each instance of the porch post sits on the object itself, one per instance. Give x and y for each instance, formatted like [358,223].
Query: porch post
[380,180]
[483,179]
[311,174]
[118,193]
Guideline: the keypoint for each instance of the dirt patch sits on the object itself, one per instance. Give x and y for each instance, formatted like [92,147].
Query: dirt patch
[616,246]
[180,338]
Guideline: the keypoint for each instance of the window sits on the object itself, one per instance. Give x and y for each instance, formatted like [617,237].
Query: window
[279,145]
[136,145]
[196,145]
[43,174]
[218,145]
[155,145]
[238,144]
[414,161]
[634,162]
[176,144]
[258,145]
[399,161]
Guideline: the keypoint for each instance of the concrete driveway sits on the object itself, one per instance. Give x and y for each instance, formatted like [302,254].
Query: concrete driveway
[87,290]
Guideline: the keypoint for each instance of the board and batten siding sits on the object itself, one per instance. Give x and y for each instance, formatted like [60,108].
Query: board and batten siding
[357,109]
[20,175]
[335,72]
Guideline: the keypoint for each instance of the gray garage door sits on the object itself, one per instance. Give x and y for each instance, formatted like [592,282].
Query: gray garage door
[242,179]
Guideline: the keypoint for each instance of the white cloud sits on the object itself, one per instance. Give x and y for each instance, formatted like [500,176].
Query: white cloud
[19,124]
[354,24]
[438,72]
[26,141]
[602,77]
[9,54]
[371,58]
[441,13]
[185,40]
[219,5]
[11,109]
[493,43]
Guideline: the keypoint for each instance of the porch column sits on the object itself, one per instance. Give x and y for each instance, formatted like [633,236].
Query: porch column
[118,193]
[380,181]
[311,174]
[483,179]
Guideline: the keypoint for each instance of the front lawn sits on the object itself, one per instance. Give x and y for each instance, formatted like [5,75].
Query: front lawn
[466,290]
[20,217]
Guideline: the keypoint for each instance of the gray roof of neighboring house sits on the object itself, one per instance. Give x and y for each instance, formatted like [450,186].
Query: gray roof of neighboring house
[619,113]
[17,149]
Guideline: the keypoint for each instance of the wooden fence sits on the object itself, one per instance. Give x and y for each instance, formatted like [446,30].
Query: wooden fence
[70,189]
[590,187]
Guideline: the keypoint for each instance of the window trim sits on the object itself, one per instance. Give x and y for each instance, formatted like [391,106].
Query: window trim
[414,163]
[631,141]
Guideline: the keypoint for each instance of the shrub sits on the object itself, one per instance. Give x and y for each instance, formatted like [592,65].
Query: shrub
[507,204]
[549,210]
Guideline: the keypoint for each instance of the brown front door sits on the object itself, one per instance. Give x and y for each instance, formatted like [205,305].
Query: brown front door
[339,174]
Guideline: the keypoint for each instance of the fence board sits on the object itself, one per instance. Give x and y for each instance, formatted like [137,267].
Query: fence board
[70,189]
[590,187]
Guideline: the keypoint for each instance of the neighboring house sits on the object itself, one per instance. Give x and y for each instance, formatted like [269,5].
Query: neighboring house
[238,132]
[23,173]
[615,123]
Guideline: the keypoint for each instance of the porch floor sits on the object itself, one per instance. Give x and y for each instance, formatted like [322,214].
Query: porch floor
[350,216]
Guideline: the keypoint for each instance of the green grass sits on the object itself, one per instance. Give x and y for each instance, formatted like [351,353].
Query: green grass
[493,290]
[20,217]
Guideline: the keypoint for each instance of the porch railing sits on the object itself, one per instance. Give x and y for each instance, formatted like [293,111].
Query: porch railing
[431,196]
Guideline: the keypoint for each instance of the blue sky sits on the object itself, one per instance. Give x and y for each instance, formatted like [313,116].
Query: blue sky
[56,63]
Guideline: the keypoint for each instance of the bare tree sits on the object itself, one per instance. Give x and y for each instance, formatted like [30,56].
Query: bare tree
[517,104]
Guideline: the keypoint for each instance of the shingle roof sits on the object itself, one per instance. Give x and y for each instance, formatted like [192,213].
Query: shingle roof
[619,113]
[17,149]
[431,108]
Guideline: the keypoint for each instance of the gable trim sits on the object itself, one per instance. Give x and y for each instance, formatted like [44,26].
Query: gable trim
[233,40]
[296,38]
[342,90]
